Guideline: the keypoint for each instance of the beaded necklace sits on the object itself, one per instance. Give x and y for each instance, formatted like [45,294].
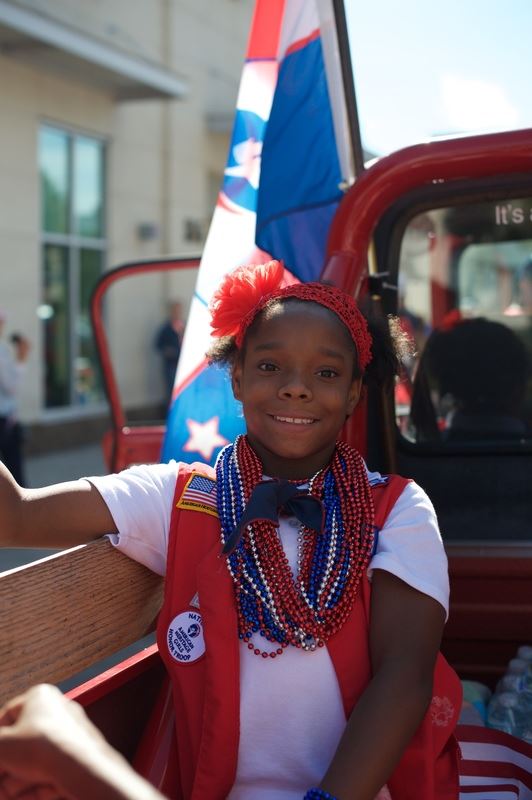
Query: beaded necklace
[306,609]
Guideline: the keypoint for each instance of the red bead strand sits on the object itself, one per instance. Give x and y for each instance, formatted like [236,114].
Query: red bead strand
[286,594]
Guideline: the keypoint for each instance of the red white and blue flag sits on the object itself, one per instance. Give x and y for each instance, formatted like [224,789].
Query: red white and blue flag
[494,765]
[288,159]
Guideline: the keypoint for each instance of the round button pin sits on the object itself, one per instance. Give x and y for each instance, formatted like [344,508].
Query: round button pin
[185,637]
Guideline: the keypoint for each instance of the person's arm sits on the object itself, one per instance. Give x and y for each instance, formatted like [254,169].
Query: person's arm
[405,633]
[62,515]
[48,745]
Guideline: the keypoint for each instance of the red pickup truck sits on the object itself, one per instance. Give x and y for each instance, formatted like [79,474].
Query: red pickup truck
[448,229]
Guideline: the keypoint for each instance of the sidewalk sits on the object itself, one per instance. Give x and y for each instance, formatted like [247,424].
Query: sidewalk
[54,467]
[65,465]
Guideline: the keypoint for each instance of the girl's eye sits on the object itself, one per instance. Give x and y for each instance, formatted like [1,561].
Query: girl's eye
[327,373]
[267,366]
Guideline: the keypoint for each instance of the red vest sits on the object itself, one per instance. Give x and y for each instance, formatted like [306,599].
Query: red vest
[205,679]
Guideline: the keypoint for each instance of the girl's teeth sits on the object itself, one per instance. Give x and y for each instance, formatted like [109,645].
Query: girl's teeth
[295,420]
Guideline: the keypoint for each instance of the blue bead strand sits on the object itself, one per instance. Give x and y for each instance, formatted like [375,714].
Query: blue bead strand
[303,609]
[318,794]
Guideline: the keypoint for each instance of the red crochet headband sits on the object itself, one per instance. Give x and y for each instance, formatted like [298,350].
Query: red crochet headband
[245,291]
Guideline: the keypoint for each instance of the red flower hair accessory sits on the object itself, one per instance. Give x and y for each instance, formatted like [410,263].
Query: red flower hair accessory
[245,291]
[240,293]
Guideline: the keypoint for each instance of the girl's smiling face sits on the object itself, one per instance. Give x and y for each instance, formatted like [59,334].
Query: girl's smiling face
[295,381]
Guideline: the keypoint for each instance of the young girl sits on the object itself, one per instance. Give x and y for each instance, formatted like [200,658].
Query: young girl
[291,677]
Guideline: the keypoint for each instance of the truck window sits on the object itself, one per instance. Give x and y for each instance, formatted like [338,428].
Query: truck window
[463,405]
[465,301]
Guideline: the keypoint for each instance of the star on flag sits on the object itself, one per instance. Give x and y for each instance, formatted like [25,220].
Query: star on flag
[247,155]
[204,437]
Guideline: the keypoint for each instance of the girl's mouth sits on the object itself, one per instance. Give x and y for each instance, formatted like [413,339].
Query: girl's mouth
[294,420]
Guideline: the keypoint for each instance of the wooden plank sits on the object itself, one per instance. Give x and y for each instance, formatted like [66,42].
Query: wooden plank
[66,612]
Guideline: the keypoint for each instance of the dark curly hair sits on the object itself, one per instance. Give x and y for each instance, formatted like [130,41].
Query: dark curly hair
[481,363]
[389,345]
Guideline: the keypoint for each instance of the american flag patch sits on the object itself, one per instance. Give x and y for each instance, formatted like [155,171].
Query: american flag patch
[199,494]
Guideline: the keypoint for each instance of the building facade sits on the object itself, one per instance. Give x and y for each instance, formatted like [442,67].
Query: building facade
[114,127]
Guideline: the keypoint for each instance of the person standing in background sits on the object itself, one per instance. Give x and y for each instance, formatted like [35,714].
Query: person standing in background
[168,343]
[12,364]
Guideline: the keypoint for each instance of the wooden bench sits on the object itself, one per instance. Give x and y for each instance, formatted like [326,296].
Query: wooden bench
[68,611]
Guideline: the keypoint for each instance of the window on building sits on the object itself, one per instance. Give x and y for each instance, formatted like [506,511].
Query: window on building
[72,173]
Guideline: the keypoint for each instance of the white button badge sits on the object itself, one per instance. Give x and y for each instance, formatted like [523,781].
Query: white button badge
[185,637]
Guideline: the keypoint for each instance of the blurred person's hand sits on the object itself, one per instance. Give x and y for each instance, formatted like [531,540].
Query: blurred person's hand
[50,750]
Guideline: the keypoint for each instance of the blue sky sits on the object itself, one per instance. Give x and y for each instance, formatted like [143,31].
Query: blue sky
[424,69]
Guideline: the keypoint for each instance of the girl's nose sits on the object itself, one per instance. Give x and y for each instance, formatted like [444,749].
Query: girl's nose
[295,387]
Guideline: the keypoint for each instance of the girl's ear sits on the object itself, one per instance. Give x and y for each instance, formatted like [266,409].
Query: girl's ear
[236,376]
[354,395]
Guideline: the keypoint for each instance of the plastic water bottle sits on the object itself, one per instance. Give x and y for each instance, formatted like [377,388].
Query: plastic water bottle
[521,686]
[527,735]
[525,652]
[518,676]
[505,713]
[517,666]
[511,682]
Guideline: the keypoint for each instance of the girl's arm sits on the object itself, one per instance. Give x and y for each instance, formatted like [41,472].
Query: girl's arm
[62,515]
[405,633]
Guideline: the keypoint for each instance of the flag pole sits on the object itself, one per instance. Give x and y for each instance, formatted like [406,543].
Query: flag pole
[349,85]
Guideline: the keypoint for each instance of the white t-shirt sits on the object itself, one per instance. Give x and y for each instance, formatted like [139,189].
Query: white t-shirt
[291,711]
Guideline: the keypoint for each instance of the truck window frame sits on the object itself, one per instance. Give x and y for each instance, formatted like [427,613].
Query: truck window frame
[388,237]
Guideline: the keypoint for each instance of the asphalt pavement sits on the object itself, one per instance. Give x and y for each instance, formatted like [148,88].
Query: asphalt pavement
[54,467]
